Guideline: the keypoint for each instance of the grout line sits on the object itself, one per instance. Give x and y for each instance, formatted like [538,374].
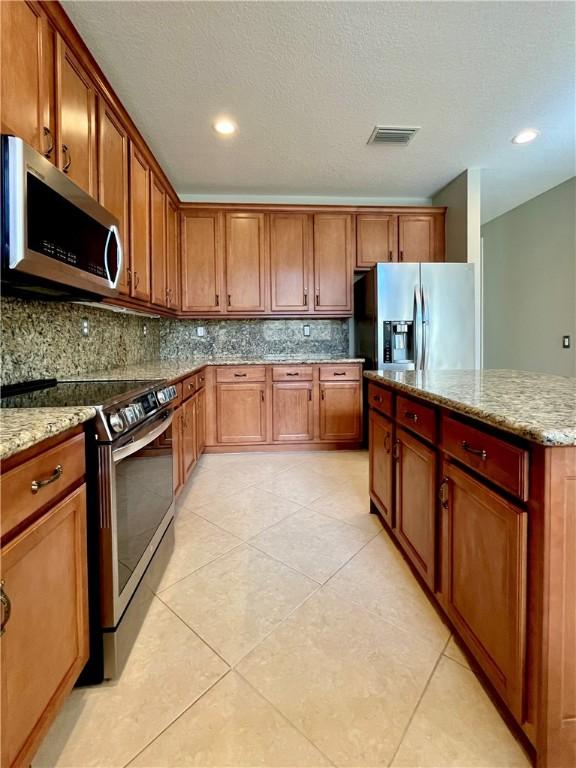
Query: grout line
[431,675]
[281,562]
[333,519]
[199,568]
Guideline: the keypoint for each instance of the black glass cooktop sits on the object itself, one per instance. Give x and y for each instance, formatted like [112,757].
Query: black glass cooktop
[51,393]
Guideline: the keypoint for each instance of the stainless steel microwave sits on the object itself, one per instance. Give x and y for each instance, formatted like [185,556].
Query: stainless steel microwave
[57,241]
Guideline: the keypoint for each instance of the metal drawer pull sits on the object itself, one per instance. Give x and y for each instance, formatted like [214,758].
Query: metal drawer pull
[339,373]
[443,493]
[476,451]
[387,442]
[289,373]
[377,398]
[6,608]
[37,484]
[411,415]
[240,375]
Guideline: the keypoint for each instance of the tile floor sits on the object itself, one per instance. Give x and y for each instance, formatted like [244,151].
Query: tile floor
[287,631]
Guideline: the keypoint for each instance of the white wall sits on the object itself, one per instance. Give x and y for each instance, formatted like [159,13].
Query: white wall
[530,284]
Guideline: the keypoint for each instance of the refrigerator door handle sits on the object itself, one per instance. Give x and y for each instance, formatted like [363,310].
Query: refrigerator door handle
[417,328]
[425,323]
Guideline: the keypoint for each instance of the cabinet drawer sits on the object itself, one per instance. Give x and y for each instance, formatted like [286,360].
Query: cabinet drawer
[380,399]
[200,380]
[240,374]
[292,373]
[178,399]
[189,386]
[37,482]
[416,416]
[501,462]
[339,373]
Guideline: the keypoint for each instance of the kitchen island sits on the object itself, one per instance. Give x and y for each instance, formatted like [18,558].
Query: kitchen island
[474,476]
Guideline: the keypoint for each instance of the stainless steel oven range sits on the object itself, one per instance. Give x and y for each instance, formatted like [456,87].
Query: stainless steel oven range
[131,503]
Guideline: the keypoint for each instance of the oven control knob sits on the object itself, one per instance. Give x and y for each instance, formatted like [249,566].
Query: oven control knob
[116,422]
[161,395]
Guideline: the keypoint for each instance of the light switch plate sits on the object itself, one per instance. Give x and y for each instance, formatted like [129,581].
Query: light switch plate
[200,331]
[566,342]
[306,330]
[85,327]
[145,329]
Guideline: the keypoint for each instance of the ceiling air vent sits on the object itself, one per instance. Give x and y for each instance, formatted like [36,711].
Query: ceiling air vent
[383,134]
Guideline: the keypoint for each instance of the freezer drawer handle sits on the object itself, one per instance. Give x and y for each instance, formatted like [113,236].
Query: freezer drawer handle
[476,451]
[37,484]
[412,416]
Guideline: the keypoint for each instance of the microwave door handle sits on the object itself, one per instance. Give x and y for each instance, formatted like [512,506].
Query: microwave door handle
[113,231]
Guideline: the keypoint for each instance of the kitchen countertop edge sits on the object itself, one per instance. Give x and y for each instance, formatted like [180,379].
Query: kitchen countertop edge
[22,428]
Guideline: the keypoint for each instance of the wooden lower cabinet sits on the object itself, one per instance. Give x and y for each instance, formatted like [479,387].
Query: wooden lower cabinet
[177,437]
[484,540]
[241,413]
[415,523]
[340,411]
[292,412]
[200,422]
[381,436]
[189,448]
[45,643]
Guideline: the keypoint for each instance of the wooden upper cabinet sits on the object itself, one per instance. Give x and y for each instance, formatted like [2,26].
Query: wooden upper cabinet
[113,174]
[158,241]
[172,255]
[290,253]
[245,262]
[333,263]
[376,239]
[202,262]
[27,75]
[139,225]
[420,237]
[484,541]
[75,119]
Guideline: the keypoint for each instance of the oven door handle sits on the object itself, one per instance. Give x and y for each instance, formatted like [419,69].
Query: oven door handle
[137,444]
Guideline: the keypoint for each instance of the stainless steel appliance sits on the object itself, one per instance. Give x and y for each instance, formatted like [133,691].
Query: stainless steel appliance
[57,241]
[131,497]
[415,317]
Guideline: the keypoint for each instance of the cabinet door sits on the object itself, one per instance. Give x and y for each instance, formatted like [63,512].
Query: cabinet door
[290,261]
[340,416]
[139,225]
[416,503]
[202,262]
[177,447]
[245,266]
[172,255]
[484,578]
[333,263]
[45,643]
[75,119]
[27,75]
[158,242]
[376,239]
[241,413]
[113,178]
[417,237]
[188,437]
[381,464]
[200,422]
[292,412]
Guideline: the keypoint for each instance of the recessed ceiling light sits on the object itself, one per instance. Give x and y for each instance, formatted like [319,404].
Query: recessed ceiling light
[225,127]
[525,136]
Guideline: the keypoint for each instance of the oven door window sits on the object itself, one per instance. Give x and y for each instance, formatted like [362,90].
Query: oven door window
[144,494]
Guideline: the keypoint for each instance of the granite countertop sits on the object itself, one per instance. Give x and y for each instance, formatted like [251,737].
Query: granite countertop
[20,428]
[175,369]
[536,406]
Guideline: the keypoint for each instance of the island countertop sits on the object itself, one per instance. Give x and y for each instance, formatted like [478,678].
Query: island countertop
[538,407]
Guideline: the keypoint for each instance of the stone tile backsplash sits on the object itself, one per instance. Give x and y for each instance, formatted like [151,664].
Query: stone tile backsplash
[42,340]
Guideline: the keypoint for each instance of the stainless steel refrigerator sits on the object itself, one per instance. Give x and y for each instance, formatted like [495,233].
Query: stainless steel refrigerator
[416,317]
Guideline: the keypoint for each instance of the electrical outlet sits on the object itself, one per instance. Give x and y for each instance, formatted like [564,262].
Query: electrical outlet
[145,329]
[565,342]
[85,327]
[306,330]
[200,331]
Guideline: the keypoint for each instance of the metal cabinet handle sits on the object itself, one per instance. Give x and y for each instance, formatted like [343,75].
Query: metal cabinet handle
[309,395]
[401,256]
[68,163]
[412,416]
[37,484]
[6,608]
[396,450]
[476,451]
[389,255]
[387,442]
[444,492]
[262,395]
[47,132]
[305,298]
[292,373]
[240,375]
[229,300]
[136,279]
[377,398]
[217,299]
[339,373]
[322,394]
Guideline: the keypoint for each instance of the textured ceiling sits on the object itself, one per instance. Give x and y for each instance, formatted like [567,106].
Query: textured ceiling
[307,81]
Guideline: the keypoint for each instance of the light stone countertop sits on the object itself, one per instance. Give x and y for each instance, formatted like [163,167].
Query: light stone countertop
[535,406]
[21,428]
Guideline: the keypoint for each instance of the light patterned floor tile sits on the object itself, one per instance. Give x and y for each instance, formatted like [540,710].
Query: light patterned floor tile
[248,511]
[107,725]
[313,544]
[238,599]
[344,677]
[208,485]
[231,726]
[379,580]
[350,504]
[457,726]
[454,652]
[301,484]
[197,542]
